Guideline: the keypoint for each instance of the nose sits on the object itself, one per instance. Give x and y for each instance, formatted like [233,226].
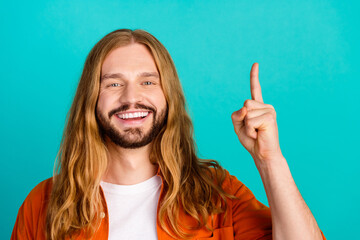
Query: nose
[130,94]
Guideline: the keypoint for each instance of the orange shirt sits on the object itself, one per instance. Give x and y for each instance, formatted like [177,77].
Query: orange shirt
[247,217]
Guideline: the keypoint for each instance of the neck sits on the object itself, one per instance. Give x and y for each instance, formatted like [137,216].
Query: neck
[128,166]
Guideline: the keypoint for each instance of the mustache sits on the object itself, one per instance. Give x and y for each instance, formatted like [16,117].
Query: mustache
[127,106]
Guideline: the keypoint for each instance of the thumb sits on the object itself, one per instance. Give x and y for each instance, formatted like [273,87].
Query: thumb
[238,118]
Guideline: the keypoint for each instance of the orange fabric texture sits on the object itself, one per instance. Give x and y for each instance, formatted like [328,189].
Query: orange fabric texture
[247,218]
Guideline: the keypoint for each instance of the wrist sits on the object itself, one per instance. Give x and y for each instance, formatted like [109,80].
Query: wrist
[268,164]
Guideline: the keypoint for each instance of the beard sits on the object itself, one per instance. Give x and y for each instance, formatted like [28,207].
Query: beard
[132,137]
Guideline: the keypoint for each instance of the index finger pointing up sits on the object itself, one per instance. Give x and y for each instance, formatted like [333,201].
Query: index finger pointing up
[255,84]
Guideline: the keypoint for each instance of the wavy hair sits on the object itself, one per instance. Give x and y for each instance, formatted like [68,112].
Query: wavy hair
[189,182]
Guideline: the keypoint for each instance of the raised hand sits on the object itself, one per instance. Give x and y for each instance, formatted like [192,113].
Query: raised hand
[255,124]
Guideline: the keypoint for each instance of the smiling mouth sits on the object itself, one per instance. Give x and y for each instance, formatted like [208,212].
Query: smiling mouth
[133,115]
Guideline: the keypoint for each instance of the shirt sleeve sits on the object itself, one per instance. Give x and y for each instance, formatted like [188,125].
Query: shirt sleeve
[22,227]
[251,218]
[30,221]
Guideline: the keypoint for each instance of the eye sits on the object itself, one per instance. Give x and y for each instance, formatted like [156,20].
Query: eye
[147,83]
[115,85]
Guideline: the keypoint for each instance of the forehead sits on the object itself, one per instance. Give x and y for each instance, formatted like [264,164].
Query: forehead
[132,57]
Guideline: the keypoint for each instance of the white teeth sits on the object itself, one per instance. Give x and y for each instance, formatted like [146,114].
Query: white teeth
[132,115]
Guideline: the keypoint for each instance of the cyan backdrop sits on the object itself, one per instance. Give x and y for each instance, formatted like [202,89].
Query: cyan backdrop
[308,53]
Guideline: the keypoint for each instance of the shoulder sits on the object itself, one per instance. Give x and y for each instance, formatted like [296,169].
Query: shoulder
[36,201]
[40,194]
[42,188]
[228,182]
[241,194]
[237,188]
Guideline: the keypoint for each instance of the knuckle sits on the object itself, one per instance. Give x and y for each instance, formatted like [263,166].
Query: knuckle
[247,103]
[272,112]
[270,106]
[270,117]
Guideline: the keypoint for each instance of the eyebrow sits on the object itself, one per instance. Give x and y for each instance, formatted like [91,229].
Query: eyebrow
[122,76]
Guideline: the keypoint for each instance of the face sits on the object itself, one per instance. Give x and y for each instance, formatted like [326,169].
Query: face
[131,108]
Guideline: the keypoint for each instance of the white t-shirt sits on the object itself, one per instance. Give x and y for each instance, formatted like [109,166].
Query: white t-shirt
[132,209]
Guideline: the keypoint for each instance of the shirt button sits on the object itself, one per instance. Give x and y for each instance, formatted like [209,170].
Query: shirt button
[102,215]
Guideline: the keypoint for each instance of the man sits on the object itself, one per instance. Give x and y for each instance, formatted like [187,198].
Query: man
[128,169]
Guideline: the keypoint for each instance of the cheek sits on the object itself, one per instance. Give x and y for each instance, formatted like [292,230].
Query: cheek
[161,104]
[104,102]
[161,100]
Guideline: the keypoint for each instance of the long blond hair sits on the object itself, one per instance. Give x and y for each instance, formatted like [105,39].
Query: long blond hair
[189,183]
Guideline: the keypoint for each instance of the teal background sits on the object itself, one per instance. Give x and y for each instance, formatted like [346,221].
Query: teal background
[308,53]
